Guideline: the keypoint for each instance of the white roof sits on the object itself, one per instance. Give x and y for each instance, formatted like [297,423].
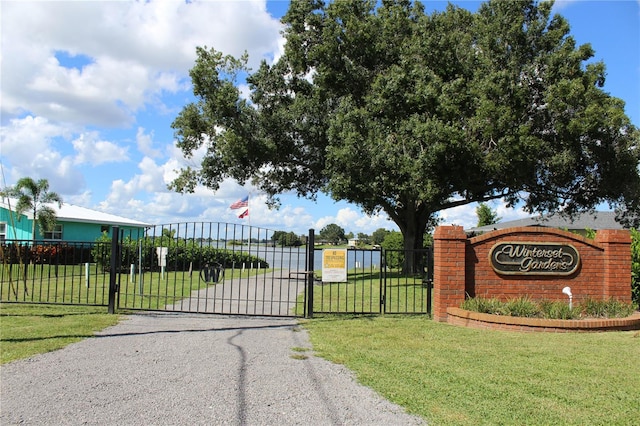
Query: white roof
[72,213]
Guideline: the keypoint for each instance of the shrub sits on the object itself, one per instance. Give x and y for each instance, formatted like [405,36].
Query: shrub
[635,266]
[524,307]
[182,255]
[482,305]
[605,308]
[557,310]
[394,250]
[54,253]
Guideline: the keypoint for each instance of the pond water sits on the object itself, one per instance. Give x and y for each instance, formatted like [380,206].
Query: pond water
[295,257]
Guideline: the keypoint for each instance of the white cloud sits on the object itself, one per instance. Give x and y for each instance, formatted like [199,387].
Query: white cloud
[22,137]
[83,199]
[137,49]
[90,149]
[69,67]
[355,221]
[462,216]
[30,147]
[145,143]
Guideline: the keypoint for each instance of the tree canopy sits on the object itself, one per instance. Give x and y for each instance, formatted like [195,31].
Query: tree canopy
[486,216]
[378,235]
[333,233]
[285,239]
[390,108]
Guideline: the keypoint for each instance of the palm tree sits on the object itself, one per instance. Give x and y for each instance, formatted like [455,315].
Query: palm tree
[33,196]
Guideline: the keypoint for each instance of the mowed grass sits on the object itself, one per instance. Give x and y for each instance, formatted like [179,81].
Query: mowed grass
[362,293]
[69,284]
[26,330]
[457,376]
[447,375]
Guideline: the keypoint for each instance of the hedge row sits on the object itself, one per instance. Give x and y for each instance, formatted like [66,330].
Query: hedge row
[45,253]
[181,255]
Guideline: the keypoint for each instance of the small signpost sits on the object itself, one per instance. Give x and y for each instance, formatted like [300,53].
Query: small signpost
[162,259]
[334,265]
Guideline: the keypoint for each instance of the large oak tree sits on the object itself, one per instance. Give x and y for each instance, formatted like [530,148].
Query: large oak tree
[393,109]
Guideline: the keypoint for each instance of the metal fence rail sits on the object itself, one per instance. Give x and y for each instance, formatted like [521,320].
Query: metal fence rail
[52,272]
[218,268]
[378,281]
[408,281]
[212,268]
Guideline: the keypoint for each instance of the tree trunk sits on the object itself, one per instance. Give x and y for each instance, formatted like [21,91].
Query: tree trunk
[33,224]
[413,225]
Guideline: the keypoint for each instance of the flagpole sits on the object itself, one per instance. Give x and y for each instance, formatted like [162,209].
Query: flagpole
[248,205]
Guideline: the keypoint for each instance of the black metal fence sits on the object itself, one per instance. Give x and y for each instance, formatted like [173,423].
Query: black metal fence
[213,268]
[50,272]
[378,282]
[210,268]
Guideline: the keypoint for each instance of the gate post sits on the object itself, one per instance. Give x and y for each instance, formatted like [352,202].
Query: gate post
[449,246]
[617,267]
[311,244]
[115,234]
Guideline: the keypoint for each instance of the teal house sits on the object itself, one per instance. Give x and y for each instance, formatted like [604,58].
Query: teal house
[74,223]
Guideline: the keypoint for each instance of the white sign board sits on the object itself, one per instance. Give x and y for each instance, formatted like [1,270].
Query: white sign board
[334,265]
[162,255]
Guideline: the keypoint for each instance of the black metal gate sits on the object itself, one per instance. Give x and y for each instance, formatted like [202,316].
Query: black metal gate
[216,268]
[378,282]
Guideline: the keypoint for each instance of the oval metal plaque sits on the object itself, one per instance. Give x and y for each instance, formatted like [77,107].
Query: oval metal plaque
[532,258]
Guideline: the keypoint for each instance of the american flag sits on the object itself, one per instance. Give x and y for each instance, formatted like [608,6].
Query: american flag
[244,214]
[244,202]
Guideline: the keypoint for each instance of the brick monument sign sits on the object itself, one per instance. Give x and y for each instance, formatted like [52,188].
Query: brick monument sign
[535,262]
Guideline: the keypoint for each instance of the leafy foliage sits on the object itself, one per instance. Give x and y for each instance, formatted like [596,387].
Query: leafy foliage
[635,266]
[33,196]
[55,253]
[394,254]
[379,235]
[384,106]
[286,239]
[525,307]
[181,254]
[332,233]
[363,239]
[486,216]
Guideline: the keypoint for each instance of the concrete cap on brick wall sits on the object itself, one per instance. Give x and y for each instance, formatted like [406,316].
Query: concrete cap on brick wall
[449,232]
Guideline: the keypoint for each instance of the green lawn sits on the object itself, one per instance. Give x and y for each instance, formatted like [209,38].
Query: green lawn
[73,284]
[447,375]
[457,376]
[38,283]
[362,294]
[26,330]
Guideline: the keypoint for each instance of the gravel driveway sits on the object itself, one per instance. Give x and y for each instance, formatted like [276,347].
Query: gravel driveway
[185,369]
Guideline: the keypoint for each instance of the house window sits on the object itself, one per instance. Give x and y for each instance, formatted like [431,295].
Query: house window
[104,228]
[56,234]
[3,231]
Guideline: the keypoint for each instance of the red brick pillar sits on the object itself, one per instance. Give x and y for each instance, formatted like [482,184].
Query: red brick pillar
[448,269]
[617,263]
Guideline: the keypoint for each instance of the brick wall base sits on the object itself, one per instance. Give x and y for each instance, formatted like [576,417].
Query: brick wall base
[457,316]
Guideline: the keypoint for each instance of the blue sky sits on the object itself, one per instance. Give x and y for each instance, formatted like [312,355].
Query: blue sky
[89,91]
